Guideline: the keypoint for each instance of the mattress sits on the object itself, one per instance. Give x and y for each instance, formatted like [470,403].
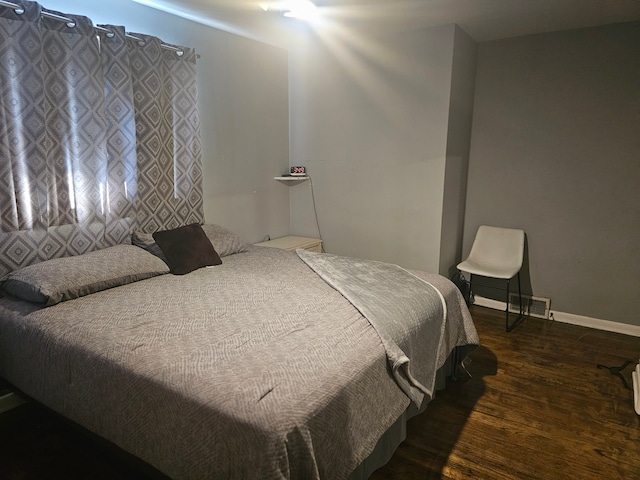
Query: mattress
[256,368]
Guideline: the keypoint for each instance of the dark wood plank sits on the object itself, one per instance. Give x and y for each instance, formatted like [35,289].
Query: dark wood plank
[535,407]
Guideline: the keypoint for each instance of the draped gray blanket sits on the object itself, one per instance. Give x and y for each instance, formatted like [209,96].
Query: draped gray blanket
[408,314]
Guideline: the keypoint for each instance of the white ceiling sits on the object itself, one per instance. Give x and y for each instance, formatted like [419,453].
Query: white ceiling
[482,19]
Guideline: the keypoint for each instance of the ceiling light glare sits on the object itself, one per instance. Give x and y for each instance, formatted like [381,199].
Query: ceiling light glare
[301,9]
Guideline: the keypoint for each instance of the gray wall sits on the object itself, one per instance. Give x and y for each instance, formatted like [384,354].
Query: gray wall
[243,109]
[371,125]
[555,146]
[458,145]
[556,151]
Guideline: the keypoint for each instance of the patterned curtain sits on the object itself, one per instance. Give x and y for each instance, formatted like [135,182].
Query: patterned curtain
[99,134]
[165,93]
[122,178]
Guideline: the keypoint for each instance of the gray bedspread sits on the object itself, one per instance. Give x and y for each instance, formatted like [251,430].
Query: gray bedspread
[253,369]
[407,312]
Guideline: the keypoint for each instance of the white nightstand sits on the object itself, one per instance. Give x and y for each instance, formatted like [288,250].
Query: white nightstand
[292,243]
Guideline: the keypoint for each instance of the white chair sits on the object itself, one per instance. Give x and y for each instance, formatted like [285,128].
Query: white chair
[497,253]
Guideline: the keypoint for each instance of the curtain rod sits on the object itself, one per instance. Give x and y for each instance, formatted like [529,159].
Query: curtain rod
[70,23]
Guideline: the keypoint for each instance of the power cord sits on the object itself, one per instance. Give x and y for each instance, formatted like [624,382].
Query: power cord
[315,211]
[617,371]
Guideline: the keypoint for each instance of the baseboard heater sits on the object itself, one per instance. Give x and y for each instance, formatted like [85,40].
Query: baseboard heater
[538,307]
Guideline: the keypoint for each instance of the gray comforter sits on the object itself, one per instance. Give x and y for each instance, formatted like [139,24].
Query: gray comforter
[252,369]
[408,313]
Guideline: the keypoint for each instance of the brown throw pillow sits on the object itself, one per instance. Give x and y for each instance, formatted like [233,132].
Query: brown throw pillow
[186,248]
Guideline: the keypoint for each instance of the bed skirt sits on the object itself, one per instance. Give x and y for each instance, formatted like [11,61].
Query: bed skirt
[397,433]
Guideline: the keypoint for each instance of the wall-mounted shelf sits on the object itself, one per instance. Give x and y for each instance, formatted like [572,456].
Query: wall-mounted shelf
[292,178]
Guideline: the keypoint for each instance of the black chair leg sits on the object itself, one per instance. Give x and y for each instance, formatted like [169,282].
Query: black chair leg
[518,320]
[506,310]
[520,295]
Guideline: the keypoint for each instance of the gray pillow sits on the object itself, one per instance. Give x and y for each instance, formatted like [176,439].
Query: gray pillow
[60,279]
[145,240]
[224,241]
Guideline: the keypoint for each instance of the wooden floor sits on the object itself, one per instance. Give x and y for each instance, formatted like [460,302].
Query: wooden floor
[535,407]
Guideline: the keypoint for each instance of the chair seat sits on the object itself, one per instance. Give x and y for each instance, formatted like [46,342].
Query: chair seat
[486,271]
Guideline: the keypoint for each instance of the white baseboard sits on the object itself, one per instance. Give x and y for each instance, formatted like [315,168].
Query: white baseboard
[489,303]
[617,327]
[609,326]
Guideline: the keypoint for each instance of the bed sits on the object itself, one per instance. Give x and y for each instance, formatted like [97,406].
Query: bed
[260,366]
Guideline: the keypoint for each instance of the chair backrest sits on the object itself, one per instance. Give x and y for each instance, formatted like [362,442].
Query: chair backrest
[498,247]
